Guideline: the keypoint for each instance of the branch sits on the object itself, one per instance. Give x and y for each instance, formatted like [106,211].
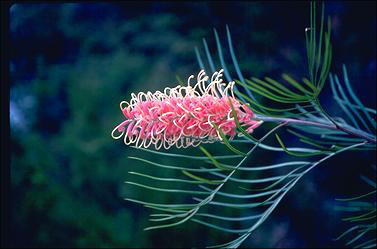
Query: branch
[357,133]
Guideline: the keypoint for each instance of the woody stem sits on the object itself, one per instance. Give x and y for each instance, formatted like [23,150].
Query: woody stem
[354,132]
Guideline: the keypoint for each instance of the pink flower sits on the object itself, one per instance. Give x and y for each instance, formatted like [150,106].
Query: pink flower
[183,116]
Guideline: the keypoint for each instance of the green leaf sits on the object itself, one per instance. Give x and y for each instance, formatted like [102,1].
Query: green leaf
[296,154]
[281,110]
[327,57]
[235,63]
[313,142]
[178,206]
[201,65]
[320,42]
[297,85]
[226,141]
[361,217]
[355,98]
[335,92]
[221,57]
[235,205]
[279,180]
[279,91]
[171,224]
[280,86]
[366,244]
[210,61]
[263,91]
[243,131]
[228,230]
[200,179]
[186,156]
[174,167]
[212,159]
[244,196]
[259,180]
[357,197]
[168,190]
[163,179]
[346,232]
[309,84]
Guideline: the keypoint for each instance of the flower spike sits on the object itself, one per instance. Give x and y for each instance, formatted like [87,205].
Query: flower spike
[184,115]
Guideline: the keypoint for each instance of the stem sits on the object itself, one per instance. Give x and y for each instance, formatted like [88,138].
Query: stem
[353,132]
[316,102]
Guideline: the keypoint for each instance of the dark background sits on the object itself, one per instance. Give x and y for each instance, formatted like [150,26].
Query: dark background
[71,65]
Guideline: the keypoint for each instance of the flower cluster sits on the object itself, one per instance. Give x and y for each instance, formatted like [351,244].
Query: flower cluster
[184,115]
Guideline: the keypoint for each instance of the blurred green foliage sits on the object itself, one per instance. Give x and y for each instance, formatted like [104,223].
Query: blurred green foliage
[67,172]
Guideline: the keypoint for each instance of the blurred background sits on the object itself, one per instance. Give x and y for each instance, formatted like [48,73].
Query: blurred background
[71,65]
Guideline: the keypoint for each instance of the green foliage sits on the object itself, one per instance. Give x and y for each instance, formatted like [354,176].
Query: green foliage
[67,183]
[250,189]
[363,209]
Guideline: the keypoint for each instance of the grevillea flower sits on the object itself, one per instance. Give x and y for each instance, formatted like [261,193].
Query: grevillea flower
[184,115]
